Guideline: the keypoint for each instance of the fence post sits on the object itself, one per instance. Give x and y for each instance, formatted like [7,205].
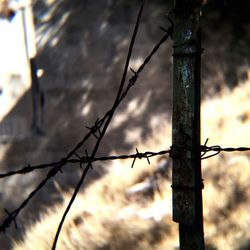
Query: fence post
[186,180]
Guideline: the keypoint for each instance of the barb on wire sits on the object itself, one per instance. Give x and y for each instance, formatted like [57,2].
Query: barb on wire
[218,149]
[86,159]
[58,165]
[146,155]
[81,162]
[12,215]
[133,79]
[105,126]
[89,159]
[27,169]
[204,152]
[94,129]
[139,156]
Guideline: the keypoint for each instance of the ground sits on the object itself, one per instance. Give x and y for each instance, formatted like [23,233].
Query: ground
[82,47]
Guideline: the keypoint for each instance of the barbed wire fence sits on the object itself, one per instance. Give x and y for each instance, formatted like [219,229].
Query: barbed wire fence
[98,130]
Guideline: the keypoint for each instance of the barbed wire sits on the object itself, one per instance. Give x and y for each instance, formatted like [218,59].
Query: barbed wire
[85,159]
[218,149]
[98,131]
[102,131]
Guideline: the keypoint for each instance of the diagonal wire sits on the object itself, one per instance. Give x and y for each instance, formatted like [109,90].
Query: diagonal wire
[57,166]
[104,129]
[99,123]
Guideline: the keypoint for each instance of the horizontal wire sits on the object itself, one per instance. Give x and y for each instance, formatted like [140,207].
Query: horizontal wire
[85,159]
[96,130]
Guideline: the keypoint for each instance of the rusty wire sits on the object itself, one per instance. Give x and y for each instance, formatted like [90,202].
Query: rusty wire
[98,130]
[85,159]
[218,149]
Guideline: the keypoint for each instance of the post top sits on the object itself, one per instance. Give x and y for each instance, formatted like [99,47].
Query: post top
[187,7]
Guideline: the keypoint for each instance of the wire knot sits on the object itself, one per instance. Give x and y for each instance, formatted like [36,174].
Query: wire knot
[94,129]
[63,161]
[11,217]
[205,149]
[140,156]
[133,79]
[54,171]
[87,159]
[27,169]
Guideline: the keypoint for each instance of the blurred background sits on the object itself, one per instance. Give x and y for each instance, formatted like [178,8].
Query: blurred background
[60,67]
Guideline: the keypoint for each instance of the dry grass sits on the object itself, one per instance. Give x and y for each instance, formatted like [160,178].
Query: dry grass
[107,215]
[226,120]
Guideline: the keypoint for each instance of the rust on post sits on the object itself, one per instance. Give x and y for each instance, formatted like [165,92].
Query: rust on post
[186,180]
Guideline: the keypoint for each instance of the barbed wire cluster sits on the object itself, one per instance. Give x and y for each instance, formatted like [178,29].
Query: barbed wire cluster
[86,159]
[218,149]
[98,131]
[148,154]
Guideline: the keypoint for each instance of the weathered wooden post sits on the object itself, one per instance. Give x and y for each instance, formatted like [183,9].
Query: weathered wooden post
[187,181]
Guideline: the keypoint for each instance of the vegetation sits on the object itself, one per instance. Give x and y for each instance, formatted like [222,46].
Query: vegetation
[108,215]
[81,49]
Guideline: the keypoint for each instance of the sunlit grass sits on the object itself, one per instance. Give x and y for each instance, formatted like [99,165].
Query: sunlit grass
[107,215]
